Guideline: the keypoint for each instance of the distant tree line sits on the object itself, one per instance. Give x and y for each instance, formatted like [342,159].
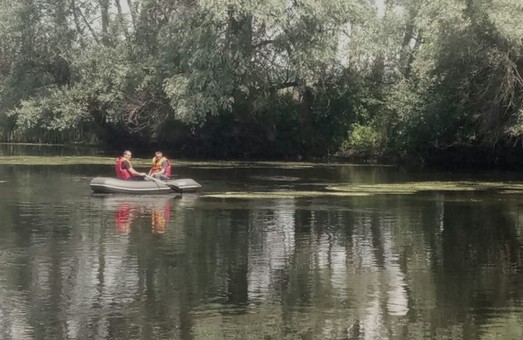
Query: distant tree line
[365,79]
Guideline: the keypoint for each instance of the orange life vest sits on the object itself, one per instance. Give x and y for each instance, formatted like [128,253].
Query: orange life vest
[157,166]
[122,173]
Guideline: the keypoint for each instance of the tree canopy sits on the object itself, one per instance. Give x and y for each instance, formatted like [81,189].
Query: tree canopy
[271,79]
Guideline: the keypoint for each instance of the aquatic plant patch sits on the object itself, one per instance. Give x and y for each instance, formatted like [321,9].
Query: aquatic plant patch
[282,194]
[414,187]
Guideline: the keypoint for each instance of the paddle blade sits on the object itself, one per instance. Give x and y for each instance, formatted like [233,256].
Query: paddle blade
[174,188]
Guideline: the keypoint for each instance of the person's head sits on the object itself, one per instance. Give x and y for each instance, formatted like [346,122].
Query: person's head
[127,154]
[158,154]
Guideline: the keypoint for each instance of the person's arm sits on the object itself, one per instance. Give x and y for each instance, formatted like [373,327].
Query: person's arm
[165,164]
[136,173]
[128,166]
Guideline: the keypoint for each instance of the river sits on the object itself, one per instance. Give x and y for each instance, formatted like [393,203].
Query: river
[264,251]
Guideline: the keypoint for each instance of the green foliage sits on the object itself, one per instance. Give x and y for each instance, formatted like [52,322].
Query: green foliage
[465,85]
[267,79]
[363,141]
[245,51]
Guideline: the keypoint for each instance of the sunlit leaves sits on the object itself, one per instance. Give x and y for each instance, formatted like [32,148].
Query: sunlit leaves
[506,16]
[239,52]
[59,109]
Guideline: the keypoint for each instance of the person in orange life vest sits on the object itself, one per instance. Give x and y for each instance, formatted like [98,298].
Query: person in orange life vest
[161,168]
[124,168]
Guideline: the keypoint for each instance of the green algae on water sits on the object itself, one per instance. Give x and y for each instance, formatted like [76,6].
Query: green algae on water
[282,194]
[98,160]
[105,160]
[109,160]
[414,187]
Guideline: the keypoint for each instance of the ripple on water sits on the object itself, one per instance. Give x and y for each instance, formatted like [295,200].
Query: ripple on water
[501,323]
[14,321]
[291,263]
[276,178]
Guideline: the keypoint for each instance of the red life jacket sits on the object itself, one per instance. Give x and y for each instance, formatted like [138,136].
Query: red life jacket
[122,173]
[123,218]
[157,166]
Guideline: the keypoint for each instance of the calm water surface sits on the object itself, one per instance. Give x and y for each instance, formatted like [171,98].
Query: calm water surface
[430,265]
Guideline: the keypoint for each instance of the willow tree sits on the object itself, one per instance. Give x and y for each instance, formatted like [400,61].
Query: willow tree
[465,85]
[89,66]
[38,43]
[34,39]
[239,56]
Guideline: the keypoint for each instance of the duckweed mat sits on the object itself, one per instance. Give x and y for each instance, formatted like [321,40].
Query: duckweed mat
[355,190]
[414,187]
[282,194]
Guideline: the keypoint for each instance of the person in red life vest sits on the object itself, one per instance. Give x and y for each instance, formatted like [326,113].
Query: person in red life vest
[161,168]
[124,168]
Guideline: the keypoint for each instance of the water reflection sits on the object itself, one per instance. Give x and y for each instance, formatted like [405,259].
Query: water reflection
[128,208]
[390,271]
[271,245]
[77,265]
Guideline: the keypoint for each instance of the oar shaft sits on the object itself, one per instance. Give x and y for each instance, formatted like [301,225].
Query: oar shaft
[171,186]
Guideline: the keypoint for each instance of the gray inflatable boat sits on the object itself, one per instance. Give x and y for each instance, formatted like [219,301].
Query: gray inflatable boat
[114,185]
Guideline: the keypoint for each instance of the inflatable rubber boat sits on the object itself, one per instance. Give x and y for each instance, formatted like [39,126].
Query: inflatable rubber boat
[114,185]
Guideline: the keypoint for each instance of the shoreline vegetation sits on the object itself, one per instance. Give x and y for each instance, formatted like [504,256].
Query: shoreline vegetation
[139,161]
[400,82]
[67,153]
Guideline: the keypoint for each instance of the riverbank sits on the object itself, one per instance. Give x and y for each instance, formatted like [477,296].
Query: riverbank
[452,157]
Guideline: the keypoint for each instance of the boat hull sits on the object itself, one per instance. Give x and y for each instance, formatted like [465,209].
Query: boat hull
[110,185]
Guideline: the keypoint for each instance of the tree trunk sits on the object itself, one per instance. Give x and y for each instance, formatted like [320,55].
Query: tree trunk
[104,9]
[239,36]
[78,12]
[121,20]
[77,24]
[132,10]
[406,54]
[306,120]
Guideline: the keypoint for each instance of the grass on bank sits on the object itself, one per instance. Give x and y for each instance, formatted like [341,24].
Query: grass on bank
[104,160]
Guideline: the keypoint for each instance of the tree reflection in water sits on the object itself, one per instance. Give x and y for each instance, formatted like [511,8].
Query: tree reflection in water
[431,265]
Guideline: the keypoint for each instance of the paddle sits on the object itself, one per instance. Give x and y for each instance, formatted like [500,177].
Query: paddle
[172,186]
